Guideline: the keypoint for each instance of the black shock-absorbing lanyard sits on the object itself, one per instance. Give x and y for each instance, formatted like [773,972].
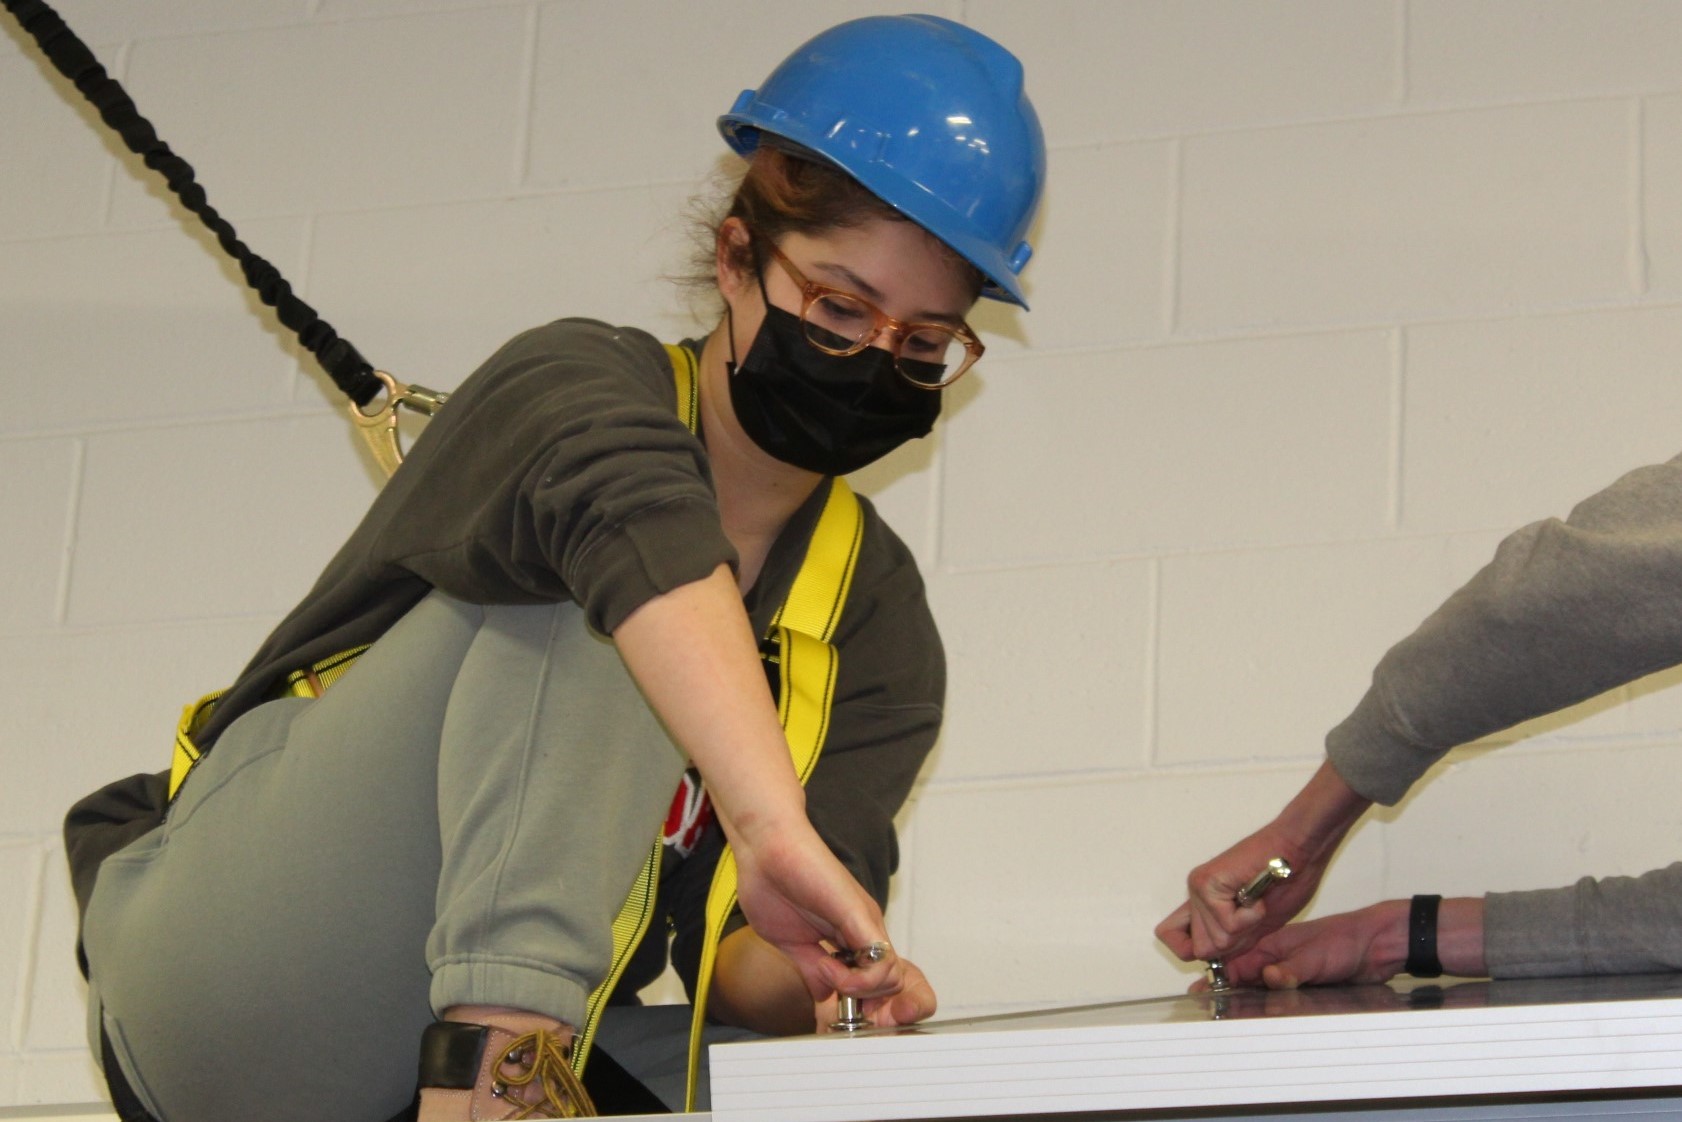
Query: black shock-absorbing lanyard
[352,373]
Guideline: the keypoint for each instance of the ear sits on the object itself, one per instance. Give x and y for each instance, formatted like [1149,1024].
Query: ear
[732,245]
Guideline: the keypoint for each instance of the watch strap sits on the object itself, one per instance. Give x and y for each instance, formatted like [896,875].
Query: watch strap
[1422,959]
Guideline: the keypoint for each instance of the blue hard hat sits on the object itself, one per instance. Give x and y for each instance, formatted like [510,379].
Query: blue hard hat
[928,114]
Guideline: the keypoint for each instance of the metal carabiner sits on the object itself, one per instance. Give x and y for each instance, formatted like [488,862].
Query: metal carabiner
[379,428]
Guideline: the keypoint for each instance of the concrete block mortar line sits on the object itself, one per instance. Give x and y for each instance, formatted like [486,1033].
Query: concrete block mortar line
[1364,117]
[114,166]
[1150,712]
[1398,422]
[937,512]
[1399,76]
[178,218]
[1563,742]
[1244,332]
[1221,550]
[72,520]
[1638,262]
[300,284]
[1172,245]
[907,876]
[194,624]
[303,19]
[295,412]
[512,193]
[34,909]
[526,112]
[315,13]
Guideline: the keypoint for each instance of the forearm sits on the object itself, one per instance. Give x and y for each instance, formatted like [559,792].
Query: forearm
[755,987]
[1319,815]
[692,652]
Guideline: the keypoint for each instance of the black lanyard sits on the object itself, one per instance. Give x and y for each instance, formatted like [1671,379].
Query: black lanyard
[343,363]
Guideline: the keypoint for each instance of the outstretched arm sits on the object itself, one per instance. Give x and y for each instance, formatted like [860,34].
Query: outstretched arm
[692,652]
[1566,609]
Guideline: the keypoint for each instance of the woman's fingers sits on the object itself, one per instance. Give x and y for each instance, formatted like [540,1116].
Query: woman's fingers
[915,1002]
[803,901]
[910,999]
[880,976]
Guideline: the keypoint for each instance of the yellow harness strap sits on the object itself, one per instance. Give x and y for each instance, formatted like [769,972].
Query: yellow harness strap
[807,664]
[802,629]
[187,755]
[312,681]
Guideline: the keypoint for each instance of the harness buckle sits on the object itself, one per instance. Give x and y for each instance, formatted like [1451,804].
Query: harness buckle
[379,428]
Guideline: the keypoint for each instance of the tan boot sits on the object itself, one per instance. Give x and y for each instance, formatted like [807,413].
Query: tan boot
[502,1064]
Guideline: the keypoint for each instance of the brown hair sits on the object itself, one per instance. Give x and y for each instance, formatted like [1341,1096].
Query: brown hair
[787,190]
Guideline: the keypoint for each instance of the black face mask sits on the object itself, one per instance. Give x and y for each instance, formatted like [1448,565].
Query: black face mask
[826,413]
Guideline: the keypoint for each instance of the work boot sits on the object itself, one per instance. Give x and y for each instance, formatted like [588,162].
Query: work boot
[516,1066]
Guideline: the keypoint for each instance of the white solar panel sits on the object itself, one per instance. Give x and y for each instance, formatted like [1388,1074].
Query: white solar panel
[1244,1049]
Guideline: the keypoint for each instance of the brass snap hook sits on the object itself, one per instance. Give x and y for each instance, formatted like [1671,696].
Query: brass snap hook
[379,428]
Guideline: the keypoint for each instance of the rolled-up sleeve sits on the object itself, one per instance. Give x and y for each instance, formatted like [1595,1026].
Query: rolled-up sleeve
[559,470]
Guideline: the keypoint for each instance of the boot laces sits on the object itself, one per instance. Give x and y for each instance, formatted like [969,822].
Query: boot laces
[537,1062]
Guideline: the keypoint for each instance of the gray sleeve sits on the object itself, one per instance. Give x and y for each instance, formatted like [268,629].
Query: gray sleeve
[1566,610]
[1615,925]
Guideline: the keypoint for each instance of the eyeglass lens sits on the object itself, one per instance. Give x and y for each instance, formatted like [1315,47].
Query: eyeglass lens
[839,322]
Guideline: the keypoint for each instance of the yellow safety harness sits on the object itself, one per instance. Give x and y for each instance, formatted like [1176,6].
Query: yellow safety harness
[806,661]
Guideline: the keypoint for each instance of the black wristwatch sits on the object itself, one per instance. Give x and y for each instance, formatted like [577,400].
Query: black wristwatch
[1422,938]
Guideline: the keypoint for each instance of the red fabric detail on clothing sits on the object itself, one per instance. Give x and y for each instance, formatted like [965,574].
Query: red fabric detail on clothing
[690,814]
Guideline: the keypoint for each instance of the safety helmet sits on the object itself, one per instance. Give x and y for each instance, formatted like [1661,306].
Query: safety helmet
[930,116]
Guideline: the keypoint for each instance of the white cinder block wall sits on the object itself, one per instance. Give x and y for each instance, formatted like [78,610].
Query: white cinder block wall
[1329,295]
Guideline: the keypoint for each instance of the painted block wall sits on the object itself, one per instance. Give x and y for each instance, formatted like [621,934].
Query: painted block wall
[1329,295]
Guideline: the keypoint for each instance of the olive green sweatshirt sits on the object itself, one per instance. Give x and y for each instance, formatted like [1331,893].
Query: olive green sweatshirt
[561,470]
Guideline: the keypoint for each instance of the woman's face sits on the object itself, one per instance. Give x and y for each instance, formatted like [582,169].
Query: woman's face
[796,393]
[895,265]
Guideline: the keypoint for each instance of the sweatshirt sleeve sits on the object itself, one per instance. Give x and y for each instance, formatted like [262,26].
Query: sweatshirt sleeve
[559,470]
[1565,610]
[1614,925]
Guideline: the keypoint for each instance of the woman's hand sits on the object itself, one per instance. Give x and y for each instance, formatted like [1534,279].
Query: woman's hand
[802,901]
[914,1002]
[755,986]
[1307,832]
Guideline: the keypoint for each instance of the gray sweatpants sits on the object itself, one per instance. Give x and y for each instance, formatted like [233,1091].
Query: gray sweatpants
[455,822]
